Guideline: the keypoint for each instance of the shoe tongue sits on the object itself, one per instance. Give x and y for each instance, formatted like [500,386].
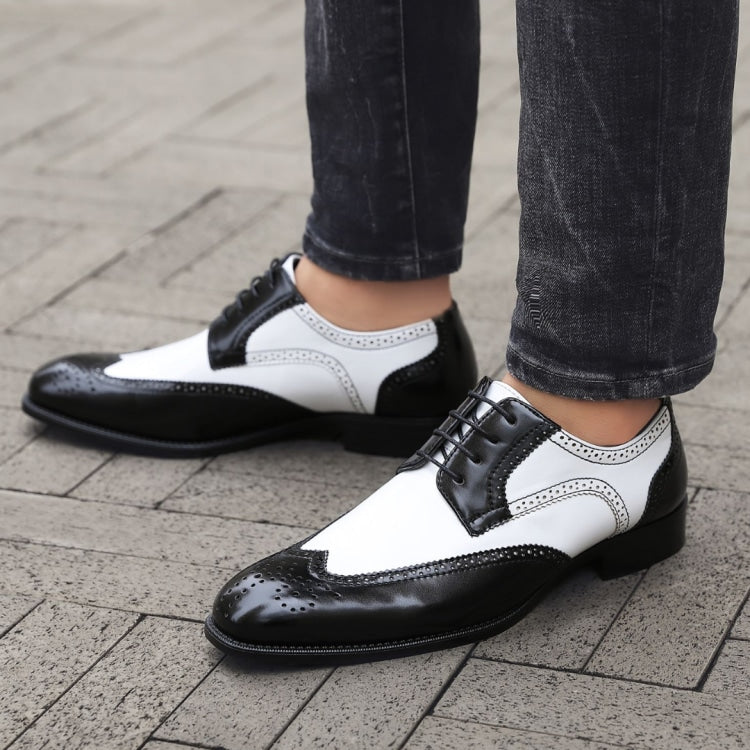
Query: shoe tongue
[499,391]
[496,392]
[289,265]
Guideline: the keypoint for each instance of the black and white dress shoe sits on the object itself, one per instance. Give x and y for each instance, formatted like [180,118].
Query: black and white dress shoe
[495,508]
[268,368]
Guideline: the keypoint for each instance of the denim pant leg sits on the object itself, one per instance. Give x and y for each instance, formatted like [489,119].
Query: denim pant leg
[623,171]
[392,99]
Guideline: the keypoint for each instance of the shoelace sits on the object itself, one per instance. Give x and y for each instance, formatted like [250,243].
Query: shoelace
[463,425]
[247,295]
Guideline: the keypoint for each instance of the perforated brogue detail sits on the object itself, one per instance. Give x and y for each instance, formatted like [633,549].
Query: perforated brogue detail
[565,490]
[618,455]
[364,340]
[311,357]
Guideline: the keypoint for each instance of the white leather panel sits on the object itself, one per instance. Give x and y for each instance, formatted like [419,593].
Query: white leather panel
[367,368]
[296,355]
[558,500]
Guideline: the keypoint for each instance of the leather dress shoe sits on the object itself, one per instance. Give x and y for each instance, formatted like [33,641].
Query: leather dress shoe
[268,368]
[494,509]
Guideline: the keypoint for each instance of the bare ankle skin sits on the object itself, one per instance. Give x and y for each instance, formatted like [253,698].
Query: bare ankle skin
[371,305]
[598,422]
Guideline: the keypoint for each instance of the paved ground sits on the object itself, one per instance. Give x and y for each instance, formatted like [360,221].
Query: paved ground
[153,157]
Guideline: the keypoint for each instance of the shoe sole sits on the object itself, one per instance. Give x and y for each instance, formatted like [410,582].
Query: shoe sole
[617,556]
[361,433]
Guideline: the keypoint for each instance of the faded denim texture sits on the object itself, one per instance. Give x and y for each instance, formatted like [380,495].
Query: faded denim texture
[392,103]
[623,166]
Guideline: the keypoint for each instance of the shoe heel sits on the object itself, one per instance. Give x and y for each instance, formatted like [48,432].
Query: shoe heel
[643,546]
[385,436]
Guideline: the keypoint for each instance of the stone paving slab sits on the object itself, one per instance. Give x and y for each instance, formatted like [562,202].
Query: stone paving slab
[237,705]
[44,654]
[138,480]
[13,608]
[51,463]
[565,629]
[122,529]
[731,674]
[595,708]
[742,624]
[134,687]
[672,626]
[16,430]
[298,502]
[437,734]
[372,706]
[133,584]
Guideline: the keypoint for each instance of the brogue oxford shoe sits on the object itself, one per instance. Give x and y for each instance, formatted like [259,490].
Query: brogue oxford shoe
[495,508]
[268,368]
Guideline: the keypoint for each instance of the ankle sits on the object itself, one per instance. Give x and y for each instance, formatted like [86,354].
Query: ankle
[598,422]
[371,305]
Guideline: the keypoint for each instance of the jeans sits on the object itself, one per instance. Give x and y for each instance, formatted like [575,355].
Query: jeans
[623,166]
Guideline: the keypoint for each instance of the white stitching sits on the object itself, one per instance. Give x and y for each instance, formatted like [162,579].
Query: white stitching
[617,455]
[364,339]
[310,357]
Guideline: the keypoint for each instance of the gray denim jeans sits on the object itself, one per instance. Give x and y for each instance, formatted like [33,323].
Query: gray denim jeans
[623,166]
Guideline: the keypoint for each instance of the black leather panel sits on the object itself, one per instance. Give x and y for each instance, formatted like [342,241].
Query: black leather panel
[77,387]
[437,382]
[669,485]
[289,598]
[228,334]
[479,500]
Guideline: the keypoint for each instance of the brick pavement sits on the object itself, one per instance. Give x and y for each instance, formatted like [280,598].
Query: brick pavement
[152,154]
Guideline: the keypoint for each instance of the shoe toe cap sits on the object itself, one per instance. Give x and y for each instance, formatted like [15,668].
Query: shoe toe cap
[67,382]
[272,602]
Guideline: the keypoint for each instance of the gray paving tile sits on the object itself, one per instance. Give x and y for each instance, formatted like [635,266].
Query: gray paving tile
[232,263]
[22,239]
[119,702]
[101,330]
[296,502]
[269,701]
[730,674]
[13,608]
[12,387]
[437,734]
[50,465]
[100,579]
[742,624]
[373,706]
[16,430]
[141,297]
[217,163]
[239,114]
[323,461]
[670,629]
[137,480]
[127,530]
[29,352]
[566,627]
[719,468]
[594,708]
[45,653]
[163,253]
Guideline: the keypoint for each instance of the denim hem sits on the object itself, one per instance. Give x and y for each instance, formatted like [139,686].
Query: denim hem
[601,387]
[382,268]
